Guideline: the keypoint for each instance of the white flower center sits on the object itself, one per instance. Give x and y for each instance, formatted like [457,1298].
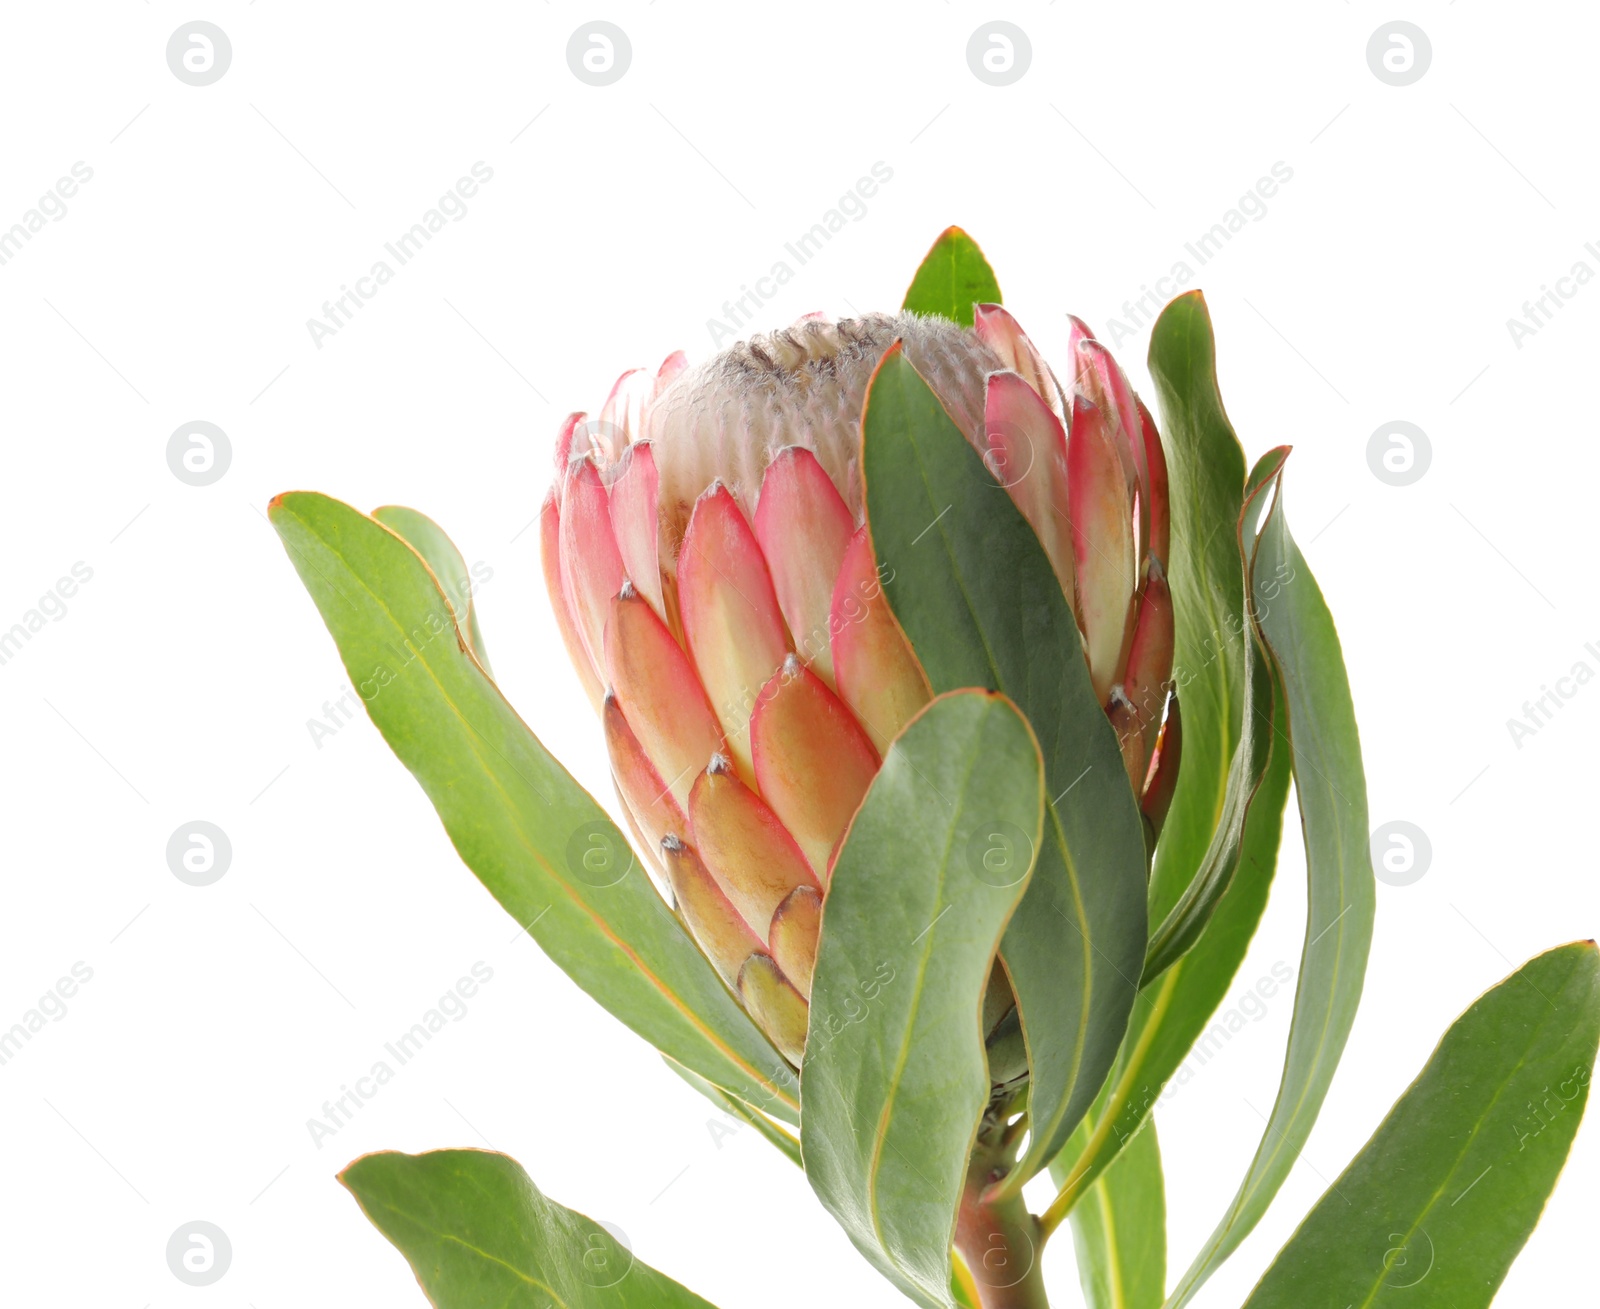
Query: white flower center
[729,416]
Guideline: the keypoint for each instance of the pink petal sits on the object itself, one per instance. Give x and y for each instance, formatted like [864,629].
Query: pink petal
[731,618]
[591,568]
[621,420]
[998,330]
[803,527]
[571,637]
[724,936]
[1161,782]
[1078,331]
[1144,683]
[633,520]
[749,852]
[1106,387]
[671,366]
[813,762]
[1102,542]
[564,440]
[1027,453]
[1160,513]
[660,696]
[648,798]
[878,676]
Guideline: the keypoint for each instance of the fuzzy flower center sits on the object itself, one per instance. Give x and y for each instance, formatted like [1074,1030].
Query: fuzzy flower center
[804,385]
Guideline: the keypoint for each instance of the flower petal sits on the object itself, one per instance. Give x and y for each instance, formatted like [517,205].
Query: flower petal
[749,852]
[776,1006]
[633,520]
[1027,453]
[550,558]
[591,568]
[1144,681]
[660,696]
[813,762]
[667,374]
[621,420]
[731,618]
[1103,382]
[1161,783]
[998,330]
[796,927]
[724,936]
[648,798]
[803,526]
[1102,542]
[565,436]
[878,676]
[1160,513]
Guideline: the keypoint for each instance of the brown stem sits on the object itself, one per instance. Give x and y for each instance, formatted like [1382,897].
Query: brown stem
[1000,1242]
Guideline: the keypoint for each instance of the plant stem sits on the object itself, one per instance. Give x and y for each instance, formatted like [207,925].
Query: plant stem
[1001,1247]
[1000,1241]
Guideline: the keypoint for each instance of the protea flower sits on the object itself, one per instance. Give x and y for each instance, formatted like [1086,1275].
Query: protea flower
[714,582]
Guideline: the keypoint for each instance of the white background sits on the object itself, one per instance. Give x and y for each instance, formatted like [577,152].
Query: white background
[180,680]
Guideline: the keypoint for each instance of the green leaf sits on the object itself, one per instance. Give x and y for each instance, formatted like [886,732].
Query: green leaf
[439,552]
[1206,475]
[1297,629]
[1172,1012]
[544,849]
[1440,1200]
[1119,1229]
[1213,666]
[970,584]
[952,277]
[1185,921]
[730,1104]
[480,1235]
[895,1076]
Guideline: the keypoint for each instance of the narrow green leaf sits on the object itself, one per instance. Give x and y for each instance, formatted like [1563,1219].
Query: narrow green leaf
[439,552]
[1206,475]
[1297,629]
[544,849]
[1440,1200]
[971,586]
[480,1235]
[1185,921]
[895,1076]
[1212,658]
[1171,1013]
[952,277]
[1119,1229]
[730,1104]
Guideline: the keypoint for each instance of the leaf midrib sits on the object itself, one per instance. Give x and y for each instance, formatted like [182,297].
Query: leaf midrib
[1522,1059]
[477,1250]
[903,1055]
[666,992]
[1081,1038]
